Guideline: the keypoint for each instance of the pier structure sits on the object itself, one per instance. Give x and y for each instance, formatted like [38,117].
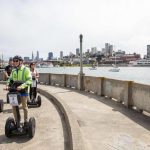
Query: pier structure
[105,114]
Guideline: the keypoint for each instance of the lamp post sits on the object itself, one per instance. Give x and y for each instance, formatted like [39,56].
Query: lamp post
[81,75]
[81,64]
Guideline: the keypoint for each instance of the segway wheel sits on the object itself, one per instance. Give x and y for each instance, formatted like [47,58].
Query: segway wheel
[7,99]
[39,100]
[9,126]
[31,127]
[1,105]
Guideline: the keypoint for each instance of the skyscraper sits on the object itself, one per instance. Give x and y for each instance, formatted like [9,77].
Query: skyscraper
[77,51]
[50,56]
[110,50]
[148,51]
[93,50]
[107,48]
[32,56]
[37,55]
[61,54]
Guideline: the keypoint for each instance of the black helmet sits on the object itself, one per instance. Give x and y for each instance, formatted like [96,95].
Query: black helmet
[32,63]
[10,59]
[18,57]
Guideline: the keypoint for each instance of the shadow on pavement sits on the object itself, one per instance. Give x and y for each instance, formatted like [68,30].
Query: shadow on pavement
[5,102]
[14,138]
[135,116]
[7,111]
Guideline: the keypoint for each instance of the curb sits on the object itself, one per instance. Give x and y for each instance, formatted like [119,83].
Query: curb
[75,138]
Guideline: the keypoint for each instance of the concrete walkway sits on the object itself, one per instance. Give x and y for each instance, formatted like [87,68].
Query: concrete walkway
[49,132]
[104,123]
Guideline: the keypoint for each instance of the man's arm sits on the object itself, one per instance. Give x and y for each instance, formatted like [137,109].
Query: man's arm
[37,74]
[28,79]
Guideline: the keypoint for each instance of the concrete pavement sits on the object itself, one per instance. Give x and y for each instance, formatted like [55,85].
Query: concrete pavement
[49,132]
[105,124]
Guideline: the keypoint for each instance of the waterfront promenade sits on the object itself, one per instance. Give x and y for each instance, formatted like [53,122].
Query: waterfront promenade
[104,124]
[49,130]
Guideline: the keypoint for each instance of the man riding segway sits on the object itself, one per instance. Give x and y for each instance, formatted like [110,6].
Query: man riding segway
[21,78]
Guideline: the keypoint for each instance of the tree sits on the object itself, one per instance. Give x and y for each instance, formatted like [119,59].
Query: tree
[99,58]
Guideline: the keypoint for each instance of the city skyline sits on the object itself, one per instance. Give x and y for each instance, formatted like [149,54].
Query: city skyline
[37,55]
[54,26]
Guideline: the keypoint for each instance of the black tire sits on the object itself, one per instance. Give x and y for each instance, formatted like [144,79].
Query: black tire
[31,127]
[10,124]
[7,99]
[1,105]
[39,100]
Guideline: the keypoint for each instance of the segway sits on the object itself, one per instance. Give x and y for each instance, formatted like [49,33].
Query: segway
[34,101]
[13,127]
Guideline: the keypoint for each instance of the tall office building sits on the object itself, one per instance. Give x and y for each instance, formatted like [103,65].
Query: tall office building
[50,56]
[107,48]
[77,51]
[32,56]
[148,51]
[26,58]
[93,50]
[110,50]
[61,54]
[37,55]
[103,50]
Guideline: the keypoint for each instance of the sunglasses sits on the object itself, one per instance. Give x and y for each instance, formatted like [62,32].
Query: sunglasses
[15,60]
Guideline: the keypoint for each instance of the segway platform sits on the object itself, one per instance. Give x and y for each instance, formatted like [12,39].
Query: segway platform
[34,101]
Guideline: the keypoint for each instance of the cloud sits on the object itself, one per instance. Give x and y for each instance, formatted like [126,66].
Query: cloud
[55,25]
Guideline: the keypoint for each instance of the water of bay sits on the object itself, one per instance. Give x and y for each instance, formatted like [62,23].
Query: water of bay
[136,74]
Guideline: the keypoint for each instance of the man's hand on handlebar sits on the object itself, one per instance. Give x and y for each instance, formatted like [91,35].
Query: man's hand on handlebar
[6,88]
[19,88]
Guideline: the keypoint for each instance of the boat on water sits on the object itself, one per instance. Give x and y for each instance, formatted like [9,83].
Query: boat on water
[44,66]
[140,62]
[114,68]
[93,68]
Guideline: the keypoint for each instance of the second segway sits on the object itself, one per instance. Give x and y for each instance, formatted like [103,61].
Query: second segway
[34,101]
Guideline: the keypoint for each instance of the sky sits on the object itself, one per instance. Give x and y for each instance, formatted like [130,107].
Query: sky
[55,25]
